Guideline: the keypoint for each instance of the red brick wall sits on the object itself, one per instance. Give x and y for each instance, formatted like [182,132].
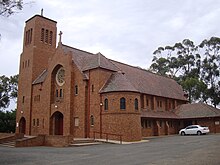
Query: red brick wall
[33,61]
[57,141]
[212,123]
[125,122]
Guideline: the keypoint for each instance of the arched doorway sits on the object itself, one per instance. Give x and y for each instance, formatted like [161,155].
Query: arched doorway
[22,125]
[56,124]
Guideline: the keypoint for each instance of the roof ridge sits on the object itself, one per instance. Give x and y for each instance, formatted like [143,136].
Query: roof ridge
[211,107]
[38,77]
[78,49]
[114,76]
[139,68]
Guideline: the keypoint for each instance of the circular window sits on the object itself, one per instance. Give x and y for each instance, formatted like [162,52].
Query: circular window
[60,76]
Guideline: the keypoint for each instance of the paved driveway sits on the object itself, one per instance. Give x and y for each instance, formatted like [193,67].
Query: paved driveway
[172,150]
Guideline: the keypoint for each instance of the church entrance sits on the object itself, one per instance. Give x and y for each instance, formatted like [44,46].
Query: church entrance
[22,125]
[56,124]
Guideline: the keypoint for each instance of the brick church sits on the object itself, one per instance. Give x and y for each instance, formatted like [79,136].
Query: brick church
[70,92]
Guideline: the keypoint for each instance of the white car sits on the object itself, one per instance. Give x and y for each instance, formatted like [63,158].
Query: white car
[194,130]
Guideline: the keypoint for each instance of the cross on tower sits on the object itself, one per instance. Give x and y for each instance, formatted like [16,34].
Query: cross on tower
[42,11]
[60,34]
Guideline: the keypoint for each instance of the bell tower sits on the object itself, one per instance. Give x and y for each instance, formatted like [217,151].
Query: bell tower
[39,45]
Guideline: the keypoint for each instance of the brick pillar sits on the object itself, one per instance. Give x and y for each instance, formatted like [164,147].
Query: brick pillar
[167,128]
[156,128]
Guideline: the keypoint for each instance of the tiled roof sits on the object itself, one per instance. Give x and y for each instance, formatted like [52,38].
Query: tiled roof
[197,110]
[149,83]
[118,82]
[184,111]
[137,79]
[86,61]
[159,114]
[40,78]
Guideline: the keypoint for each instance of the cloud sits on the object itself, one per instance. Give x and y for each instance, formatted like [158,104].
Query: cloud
[126,30]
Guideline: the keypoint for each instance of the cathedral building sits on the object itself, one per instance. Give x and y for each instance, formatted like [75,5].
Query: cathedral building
[66,91]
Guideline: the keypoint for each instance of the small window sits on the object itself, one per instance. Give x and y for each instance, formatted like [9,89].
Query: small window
[106,104]
[33,122]
[136,104]
[38,122]
[92,120]
[147,102]
[122,103]
[57,93]
[161,104]
[76,89]
[76,121]
[23,99]
[92,88]
[61,92]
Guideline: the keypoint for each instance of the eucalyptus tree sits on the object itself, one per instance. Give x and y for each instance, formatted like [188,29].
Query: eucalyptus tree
[210,68]
[183,62]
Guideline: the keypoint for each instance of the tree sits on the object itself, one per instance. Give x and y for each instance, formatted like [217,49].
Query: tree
[7,121]
[195,87]
[9,7]
[160,65]
[195,68]
[8,90]
[210,70]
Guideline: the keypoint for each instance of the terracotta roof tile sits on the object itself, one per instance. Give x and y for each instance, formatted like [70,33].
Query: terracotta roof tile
[150,83]
[197,110]
[40,78]
[137,79]
[118,82]
[86,61]
[159,114]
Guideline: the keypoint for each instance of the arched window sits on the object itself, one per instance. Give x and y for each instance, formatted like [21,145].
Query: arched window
[122,103]
[136,104]
[92,120]
[106,104]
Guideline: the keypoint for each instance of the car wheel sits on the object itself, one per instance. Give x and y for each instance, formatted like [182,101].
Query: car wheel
[182,133]
[199,133]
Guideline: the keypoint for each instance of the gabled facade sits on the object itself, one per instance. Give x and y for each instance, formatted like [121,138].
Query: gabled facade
[71,92]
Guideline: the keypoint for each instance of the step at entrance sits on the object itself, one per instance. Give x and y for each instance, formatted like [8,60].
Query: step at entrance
[79,142]
[8,144]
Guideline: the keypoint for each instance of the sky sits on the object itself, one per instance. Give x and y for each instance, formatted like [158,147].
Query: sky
[128,31]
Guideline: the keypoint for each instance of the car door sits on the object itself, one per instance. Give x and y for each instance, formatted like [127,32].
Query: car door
[194,130]
[188,130]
